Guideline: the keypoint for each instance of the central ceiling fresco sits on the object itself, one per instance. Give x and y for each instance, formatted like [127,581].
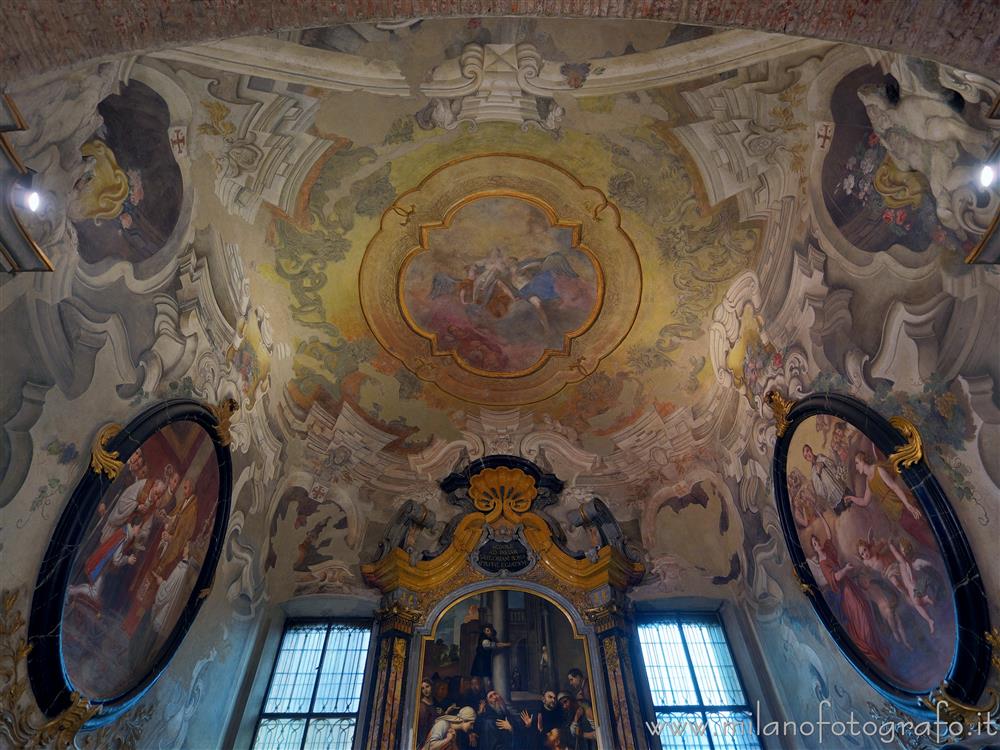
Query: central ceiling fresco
[500,279]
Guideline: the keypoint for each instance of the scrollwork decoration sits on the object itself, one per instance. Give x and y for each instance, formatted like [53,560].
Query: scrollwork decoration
[780,406]
[955,712]
[912,450]
[807,589]
[101,459]
[23,724]
[223,414]
[61,731]
[993,638]
[502,490]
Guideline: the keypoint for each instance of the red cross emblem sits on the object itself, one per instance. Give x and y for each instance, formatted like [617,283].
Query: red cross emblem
[178,141]
[824,136]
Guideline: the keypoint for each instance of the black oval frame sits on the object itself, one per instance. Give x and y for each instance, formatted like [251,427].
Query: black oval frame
[49,682]
[970,663]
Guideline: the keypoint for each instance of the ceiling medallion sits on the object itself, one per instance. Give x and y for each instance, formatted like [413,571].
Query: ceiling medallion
[501,278]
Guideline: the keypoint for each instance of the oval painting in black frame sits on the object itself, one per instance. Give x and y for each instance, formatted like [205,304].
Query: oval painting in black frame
[130,562]
[880,554]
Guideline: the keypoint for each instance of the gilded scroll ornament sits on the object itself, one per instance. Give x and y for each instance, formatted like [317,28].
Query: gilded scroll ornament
[912,450]
[993,638]
[953,711]
[60,731]
[780,406]
[502,498]
[23,725]
[223,414]
[806,588]
[101,459]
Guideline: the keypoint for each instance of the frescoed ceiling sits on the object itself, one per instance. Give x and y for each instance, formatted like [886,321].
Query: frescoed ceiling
[512,89]
[596,244]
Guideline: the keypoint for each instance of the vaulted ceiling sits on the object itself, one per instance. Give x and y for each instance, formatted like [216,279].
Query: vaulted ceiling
[400,245]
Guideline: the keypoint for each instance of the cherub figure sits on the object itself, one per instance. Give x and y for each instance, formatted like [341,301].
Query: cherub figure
[909,576]
[914,574]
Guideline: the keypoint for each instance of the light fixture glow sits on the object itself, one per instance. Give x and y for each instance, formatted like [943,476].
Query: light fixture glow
[34,201]
[986,176]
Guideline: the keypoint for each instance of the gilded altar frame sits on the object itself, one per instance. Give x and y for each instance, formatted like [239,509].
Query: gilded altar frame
[504,495]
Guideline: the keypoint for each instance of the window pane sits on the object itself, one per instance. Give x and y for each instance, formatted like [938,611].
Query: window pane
[713,664]
[667,667]
[343,671]
[279,734]
[330,734]
[682,730]
[295,673]
[733,730]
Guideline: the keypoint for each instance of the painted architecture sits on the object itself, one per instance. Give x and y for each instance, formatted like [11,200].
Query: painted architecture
[487,298]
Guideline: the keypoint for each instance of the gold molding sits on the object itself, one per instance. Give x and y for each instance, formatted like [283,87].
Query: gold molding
[806,588]
[993,638]
[452,569]
[975,252]
[398,617]
[780,406]
[954,711]
[101,459]
[912,450]
[18,166]
[60,731]
[223,414]
[606,617]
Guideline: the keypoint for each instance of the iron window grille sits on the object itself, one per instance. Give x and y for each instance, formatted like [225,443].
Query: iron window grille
[314,691]
[698,696]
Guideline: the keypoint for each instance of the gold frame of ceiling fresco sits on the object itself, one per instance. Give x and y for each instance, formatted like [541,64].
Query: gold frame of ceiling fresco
[404,233]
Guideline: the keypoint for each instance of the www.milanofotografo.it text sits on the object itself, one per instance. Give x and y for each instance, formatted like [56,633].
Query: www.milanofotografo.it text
[823,728]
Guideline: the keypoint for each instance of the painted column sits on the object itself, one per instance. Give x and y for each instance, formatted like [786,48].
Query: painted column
[501,657]
[386,703]
[613,629]
[549,679]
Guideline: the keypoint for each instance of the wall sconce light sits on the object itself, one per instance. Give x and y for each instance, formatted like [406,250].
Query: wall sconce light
[18,251]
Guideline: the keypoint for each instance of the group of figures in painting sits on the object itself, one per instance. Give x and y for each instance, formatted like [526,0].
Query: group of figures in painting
[872,551]
[465,702]
[139,559]
[501,305]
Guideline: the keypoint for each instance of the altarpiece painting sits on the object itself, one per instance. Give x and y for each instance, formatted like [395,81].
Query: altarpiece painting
[510,662]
